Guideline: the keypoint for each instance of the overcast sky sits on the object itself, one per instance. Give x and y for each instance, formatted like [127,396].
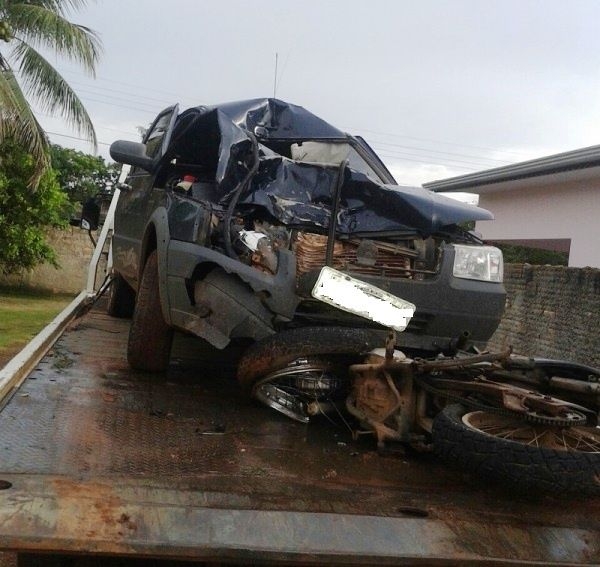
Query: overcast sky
[439,88]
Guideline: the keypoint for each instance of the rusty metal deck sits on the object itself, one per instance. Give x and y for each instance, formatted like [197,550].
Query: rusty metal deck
[95,458]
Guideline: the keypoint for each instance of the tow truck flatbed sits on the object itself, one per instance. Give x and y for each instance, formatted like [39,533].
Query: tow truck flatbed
[97,459]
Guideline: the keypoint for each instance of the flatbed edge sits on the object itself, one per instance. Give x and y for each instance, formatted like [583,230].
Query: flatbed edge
[20,366]
[70,517]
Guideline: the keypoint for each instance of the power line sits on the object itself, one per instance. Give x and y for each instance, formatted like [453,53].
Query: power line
[385,149]
[117,130]
[521,155]
[132,106]
[128,132]
[177,96]
[109,98]
[400,154]
[174,96]
[381,154]
[136,95]
[152,112]
[76,138]
[450,160]
[479,163]
[428,162]
[427,150]
[437,160]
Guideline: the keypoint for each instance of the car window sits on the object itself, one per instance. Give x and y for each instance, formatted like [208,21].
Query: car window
[357,162]
[155,136]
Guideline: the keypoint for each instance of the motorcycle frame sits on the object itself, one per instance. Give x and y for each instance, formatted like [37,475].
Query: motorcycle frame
[389,400]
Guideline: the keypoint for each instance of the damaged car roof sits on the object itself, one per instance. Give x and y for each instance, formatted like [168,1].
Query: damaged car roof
[298,191]
[278,120]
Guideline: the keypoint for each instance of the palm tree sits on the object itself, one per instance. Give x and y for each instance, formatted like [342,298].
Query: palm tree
[25,27]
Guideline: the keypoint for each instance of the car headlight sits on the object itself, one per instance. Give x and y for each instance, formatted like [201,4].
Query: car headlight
[482,263]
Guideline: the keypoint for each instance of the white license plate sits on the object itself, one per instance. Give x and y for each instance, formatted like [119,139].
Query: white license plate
[363,299]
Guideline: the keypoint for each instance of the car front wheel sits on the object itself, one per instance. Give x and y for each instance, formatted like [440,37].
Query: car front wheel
[150,337]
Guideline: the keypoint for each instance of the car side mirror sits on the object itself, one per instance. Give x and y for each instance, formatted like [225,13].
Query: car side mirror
[131,153]
[90,218]
[90,215]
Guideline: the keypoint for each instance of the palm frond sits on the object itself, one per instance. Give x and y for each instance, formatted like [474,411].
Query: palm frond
[40,25]
[62,7]
[53,93]
[17,122]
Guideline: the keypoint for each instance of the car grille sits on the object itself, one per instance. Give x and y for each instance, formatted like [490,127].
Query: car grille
[379,259]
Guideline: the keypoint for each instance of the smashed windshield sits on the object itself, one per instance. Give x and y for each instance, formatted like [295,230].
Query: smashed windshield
[333,153]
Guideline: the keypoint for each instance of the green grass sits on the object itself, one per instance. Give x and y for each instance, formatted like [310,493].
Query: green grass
[23,313]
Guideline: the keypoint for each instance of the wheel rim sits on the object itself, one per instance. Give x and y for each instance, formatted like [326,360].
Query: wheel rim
[580,439]
[299,388]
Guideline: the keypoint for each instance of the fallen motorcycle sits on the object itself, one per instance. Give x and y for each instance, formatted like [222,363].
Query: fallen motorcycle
[533,423]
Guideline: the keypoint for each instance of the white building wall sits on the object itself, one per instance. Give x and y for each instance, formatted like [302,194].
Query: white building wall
[563,211]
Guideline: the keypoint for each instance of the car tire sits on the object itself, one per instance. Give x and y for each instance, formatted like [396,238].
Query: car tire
[524,467]
[121,298]
[277,351]
[150,337]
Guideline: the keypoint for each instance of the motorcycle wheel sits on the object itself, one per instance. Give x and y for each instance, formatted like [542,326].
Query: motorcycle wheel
[121,298]
[277,351]
[150,337]
[528,456]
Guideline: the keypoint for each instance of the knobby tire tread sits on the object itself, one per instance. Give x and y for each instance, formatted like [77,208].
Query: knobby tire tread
[524,468]
[150,337]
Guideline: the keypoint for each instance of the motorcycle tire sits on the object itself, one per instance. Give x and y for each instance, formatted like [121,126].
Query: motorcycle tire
[121,298]
[277,351]
[557,466]
[150,337]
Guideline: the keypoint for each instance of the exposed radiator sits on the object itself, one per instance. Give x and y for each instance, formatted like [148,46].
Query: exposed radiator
[383,259]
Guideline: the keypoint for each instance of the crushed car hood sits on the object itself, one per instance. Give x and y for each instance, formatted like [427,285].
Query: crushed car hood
[300,193]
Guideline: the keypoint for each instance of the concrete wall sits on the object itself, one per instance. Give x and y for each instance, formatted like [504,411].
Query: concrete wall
[565,210]
[552,312]
[74,250]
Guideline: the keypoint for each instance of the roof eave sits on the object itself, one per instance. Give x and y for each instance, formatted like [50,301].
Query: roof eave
[577,159]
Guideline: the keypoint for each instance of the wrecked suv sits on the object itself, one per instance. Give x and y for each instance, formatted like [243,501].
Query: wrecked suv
[258,220]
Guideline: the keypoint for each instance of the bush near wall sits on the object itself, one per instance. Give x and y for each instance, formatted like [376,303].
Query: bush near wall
[515,254]
[551,312]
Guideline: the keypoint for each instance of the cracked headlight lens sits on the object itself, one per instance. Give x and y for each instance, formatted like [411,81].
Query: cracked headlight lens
[482,263]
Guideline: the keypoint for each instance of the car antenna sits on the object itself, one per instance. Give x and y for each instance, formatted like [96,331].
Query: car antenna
[275,76]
